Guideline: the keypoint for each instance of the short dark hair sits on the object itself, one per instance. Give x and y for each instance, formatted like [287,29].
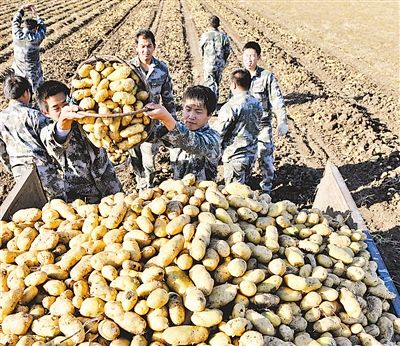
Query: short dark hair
[214,21]
[147,34]
[202,94]
[253,45]
[48,89]
[30,23]
[15,86]
[242,78]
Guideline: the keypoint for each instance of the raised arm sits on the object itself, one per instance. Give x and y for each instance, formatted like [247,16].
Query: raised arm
[16,24]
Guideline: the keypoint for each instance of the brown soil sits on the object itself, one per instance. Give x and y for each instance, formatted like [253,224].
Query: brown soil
[339,78]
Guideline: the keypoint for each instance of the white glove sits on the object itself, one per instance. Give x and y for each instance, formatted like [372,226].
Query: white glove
[282,129]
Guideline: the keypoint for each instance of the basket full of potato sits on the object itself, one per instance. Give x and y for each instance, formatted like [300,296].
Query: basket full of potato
[112,93]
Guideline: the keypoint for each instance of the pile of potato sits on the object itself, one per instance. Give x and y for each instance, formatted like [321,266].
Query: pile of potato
[188,263]
[105,87]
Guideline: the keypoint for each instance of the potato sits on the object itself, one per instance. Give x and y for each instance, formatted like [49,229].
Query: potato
[194,300]
[185,335]
[157,299]
[270,285]
[18,323]
[29,215]
[294,256]
[170,250]
[109,330]
[46,326]
[236,326]
[177,224]
[237,267]
[221,295]
[200,241]
[92,307]
[202,279]
[121,72]
[260,323]
[350,303]
[142,95]
[176,309]
[207,318]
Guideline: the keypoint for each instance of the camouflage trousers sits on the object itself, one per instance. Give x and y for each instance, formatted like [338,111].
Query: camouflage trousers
[143,165]
[35,76]
[212,78]
[265,156]
[238,169]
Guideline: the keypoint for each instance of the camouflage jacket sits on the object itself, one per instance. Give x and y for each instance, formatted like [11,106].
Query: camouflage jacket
[196,152]
[26,50]
[88,173]
[21,147]
[160,83]
[215,48]
[264,87]
[238,126]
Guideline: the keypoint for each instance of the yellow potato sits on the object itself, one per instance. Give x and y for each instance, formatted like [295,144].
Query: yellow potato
[126,84]
[185,335]
[142,95]
[95,77]
[123,98]
[84,70]
[81,93]
[121,72]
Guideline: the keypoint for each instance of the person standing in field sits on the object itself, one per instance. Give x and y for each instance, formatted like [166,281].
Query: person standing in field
[157,75]
[27,35]
[215,49]
[238,125]
[264,87]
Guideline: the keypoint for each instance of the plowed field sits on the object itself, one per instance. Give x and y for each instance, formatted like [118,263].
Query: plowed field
[337,64]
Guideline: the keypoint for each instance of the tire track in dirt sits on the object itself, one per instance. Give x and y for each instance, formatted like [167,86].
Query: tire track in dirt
[157,15]
[192,37]
[173,47]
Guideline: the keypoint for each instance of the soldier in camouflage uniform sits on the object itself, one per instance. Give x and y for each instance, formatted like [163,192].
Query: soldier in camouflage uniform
[215,49]
[20,145]
[238,125]
[28,34]
[157,75]
[88,173]
[265,88]
[195,144]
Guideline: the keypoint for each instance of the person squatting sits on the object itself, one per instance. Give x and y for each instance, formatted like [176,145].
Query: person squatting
[70,166]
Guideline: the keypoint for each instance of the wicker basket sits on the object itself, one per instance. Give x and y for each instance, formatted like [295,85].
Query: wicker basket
[107,137]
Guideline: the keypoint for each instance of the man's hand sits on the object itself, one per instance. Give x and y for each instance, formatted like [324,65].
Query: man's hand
[27,7]
[67,116]
[282,129]
[160,113]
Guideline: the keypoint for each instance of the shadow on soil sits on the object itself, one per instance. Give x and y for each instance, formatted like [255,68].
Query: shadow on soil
[299,183]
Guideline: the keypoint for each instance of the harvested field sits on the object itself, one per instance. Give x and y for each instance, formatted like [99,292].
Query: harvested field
[339,80]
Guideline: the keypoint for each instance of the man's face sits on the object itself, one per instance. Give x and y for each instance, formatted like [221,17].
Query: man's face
[195,115]
[145,49]
[250,59]
[55,103]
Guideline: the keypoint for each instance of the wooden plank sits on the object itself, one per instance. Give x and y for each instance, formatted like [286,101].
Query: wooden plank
[26,193]
[333,197]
